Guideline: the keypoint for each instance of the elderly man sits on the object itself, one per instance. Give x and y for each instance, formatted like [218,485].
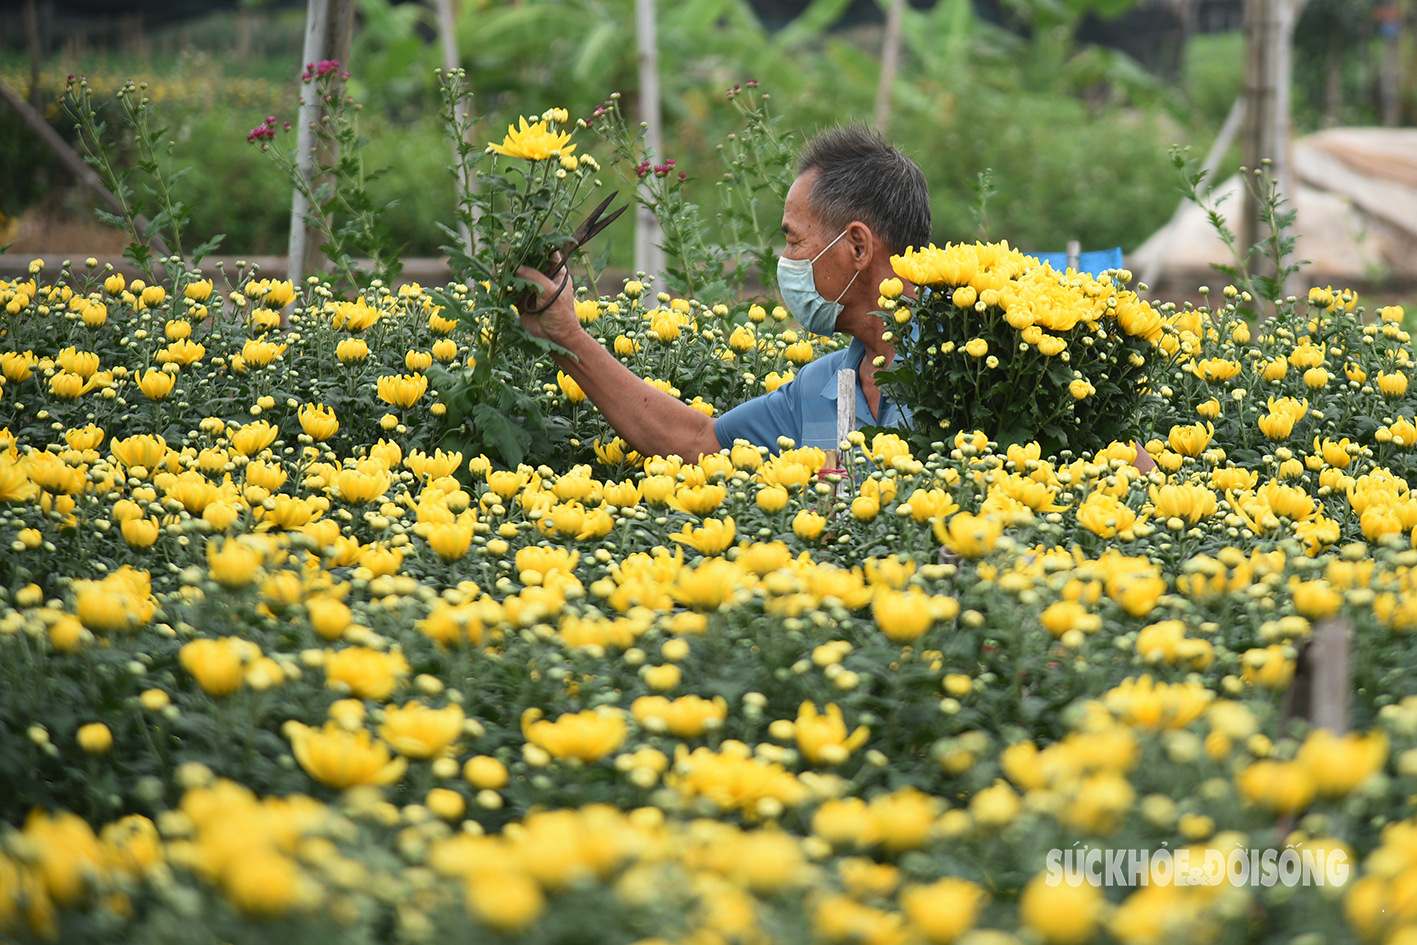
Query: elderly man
[856,201]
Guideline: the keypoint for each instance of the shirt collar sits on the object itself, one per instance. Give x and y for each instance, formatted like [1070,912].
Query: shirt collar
[851,360]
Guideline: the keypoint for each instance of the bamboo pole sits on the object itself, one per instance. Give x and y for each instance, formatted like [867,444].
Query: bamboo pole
[649,257]
[1269,35]
[329,33]
[890,64]
[317,17]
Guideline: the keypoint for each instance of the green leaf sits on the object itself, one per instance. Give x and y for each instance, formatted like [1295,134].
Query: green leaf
[207,248]
[499,434]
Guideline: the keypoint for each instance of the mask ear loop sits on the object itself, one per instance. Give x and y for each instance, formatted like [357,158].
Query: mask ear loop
[830,245]
[838,299]
[819,256]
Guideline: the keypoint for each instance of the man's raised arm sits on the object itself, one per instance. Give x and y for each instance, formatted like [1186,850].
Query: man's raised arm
[651,421]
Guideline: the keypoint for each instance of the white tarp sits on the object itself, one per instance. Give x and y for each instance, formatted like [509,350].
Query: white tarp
[1357,214]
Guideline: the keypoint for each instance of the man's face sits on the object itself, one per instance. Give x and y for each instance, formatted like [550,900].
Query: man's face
[800,226]
[807,238]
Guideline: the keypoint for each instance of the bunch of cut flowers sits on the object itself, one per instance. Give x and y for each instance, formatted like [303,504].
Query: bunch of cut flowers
[996,341]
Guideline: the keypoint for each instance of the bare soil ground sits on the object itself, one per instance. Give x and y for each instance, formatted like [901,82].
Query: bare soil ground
[47,227]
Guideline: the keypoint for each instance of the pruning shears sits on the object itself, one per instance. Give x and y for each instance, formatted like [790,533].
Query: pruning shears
[583,234]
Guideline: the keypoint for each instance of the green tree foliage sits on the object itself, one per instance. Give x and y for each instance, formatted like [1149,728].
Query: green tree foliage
[1076,136]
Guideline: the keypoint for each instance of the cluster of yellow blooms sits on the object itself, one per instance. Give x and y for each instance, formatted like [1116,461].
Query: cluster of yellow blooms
[410,335]
[1033,299]
[999,342]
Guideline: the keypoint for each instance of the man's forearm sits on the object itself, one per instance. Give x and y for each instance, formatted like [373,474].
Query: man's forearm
[651,421]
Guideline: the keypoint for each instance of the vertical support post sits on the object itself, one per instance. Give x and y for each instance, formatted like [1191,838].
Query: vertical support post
[1332,676]
[649,257]
[329,34]
[845,403]
[1074,254]
[317,22]
[1269,35]
[845,408]
[890,64]
[36,53]
[447,25]
[1319,694]
[838,460]
[1390,73]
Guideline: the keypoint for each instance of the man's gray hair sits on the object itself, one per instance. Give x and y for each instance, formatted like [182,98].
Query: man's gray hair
[862,176]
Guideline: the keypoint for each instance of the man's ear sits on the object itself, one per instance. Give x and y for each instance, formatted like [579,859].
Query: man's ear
[861,241]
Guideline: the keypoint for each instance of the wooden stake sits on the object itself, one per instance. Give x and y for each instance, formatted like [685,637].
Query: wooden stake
[845,404]
[649,257]
[329,32]
[1323,679]
[890,64]
[1269,35]
[839,459]
[1332,676]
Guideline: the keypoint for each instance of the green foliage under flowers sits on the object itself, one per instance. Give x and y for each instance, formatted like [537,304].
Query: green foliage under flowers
[1143,652]
[1104,661]
[276,661]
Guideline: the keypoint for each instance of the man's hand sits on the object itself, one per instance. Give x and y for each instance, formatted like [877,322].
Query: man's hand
[558,322]
[650,420]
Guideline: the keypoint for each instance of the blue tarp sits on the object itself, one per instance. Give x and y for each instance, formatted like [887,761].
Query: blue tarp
[1095,263]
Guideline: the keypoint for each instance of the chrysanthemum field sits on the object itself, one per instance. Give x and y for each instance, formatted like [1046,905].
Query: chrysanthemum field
[274,669]
[285,658]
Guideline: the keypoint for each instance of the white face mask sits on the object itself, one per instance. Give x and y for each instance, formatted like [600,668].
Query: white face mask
[798,285]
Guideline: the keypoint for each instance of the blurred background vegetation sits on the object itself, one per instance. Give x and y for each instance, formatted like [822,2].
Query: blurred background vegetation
[1072,103]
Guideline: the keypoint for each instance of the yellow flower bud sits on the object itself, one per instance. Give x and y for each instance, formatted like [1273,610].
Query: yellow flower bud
[95,738]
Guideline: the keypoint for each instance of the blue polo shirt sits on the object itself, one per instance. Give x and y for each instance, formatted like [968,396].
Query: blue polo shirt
[805,407]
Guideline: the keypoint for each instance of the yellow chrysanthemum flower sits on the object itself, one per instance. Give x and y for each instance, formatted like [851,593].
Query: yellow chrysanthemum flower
[533,142]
